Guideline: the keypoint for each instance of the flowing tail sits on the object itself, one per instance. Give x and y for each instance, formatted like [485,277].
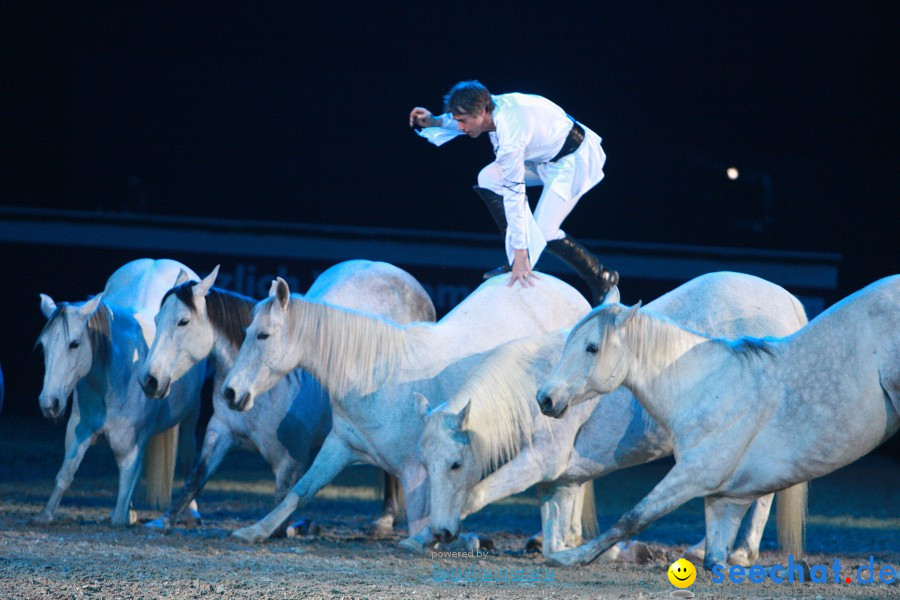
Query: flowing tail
[791,518]
[590,527]
[159,467]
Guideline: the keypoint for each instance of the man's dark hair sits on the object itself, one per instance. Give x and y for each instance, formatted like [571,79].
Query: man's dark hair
[467,97]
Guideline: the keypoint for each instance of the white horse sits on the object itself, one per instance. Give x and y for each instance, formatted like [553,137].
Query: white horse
[747,416]
[289,424]
[371,368]
[492,441]
[90,350]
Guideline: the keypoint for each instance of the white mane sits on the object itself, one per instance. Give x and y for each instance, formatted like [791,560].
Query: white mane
[346,350]
[501,391]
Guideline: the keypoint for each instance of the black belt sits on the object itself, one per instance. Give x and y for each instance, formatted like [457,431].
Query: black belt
[573,141]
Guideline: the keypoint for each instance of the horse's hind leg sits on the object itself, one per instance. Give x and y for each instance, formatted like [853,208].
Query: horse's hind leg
[383,526]
[78,440]
[746,550]
[723,519]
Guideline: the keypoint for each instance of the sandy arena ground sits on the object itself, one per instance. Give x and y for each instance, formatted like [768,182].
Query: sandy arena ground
[854,514]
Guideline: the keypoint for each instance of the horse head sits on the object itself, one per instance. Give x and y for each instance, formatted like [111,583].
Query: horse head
[184,335]
[592,359]
[264,357]
[446,451]
[67,345]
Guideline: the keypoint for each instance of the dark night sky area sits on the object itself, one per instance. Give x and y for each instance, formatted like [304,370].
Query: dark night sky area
[299,114]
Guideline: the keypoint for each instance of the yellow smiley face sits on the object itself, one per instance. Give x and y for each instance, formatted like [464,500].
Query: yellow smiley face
[682,573]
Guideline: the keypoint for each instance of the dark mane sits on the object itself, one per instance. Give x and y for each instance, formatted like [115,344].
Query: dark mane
[229,312]
[98,328]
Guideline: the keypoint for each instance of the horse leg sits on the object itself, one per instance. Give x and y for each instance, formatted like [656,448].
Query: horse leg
[187,453]
[383,526]
[515,476]
[746,551]
[129,459]
[78,440]
[216,443]
[723,519]
[331,460]
[676,488]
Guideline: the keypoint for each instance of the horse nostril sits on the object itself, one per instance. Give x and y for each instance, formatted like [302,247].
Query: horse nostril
[151,384]
[230,395]
[546,405]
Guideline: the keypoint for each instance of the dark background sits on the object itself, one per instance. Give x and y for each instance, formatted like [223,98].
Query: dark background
[300,114]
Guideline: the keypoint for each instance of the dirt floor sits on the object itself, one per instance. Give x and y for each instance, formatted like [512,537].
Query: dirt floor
[854,514]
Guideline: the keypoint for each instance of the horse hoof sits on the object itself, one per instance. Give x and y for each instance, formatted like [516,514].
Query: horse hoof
[411,545]
[743,557]
[248,534]
[381,527]
[566,558]
[534,544]
[41,519]
[486,543]
[191,518]
[302,528]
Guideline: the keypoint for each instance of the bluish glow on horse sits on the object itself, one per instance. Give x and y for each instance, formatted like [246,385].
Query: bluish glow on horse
[287,424]
[90,352]
[748,416]
[491,440]
[371,368]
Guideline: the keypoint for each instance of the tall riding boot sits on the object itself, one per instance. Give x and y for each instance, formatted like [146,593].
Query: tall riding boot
[599,279]
[494,203]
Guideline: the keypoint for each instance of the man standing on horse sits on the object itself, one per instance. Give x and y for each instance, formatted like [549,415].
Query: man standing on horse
[535,143]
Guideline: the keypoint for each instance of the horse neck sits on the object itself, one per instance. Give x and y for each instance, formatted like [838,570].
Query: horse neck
[228,314]
[656,344]
[344,349]
[502,390]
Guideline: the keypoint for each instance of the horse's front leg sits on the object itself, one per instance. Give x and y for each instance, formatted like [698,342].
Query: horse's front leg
[676,488]
[216,443]
[515,476]
[78,439]
[334,456]
[129,457]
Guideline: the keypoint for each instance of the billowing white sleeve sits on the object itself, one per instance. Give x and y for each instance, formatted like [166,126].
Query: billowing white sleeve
[443,133]
[511,160]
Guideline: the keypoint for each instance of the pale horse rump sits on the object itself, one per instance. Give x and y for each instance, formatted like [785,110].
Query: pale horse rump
[90,352]
[748,416]
[491,440]
[372,367]
[287,424]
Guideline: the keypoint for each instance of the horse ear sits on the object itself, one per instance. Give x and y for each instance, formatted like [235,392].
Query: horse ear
[612,296]
[463,415]
[202,288]
[281,290]
[626,315]
[421,405]
[182,277]
[88,308]
[47,305]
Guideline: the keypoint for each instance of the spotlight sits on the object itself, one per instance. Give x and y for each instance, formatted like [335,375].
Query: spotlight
[732,173]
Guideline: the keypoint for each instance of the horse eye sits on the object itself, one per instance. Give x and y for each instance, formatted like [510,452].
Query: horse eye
[262,336]
[73,345]
[592,348]
[182,322]
[455,466]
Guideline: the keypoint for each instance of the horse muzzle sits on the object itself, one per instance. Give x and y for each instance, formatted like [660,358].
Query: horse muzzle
[240,404]
[153,388]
